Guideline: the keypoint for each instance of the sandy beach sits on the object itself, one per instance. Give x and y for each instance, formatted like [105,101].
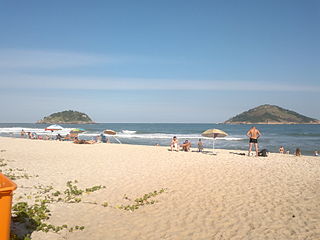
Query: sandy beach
[227,196]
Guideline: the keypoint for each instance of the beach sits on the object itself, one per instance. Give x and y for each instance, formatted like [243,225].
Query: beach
[305,137]
[199,195]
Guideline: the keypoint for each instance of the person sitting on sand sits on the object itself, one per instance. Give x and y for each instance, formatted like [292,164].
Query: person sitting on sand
[34,135]
[66,138]
[22,133]
[253,134]
[82,141]
[174,144]
[281,150]
[298,152]
[316,153]
[186,146]
[103,138]
[59,137]
[200,146]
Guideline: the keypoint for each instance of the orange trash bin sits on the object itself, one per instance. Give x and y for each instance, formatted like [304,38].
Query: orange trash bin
[6,189]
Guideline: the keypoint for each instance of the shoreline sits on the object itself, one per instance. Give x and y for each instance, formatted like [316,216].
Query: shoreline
[271,123]
[205,197]
[193,148]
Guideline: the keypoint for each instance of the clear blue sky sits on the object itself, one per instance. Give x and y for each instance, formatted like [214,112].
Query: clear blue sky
[158,61]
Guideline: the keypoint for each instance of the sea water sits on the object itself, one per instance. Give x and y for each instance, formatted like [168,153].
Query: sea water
[305,137]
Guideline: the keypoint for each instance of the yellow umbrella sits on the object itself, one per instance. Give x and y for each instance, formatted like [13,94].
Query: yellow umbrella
[214,133]
[111,132]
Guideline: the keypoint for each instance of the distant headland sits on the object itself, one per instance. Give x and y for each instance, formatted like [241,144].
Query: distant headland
[271,114]
[67,117]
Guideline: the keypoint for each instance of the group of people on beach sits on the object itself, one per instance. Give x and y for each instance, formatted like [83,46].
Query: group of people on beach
[253,134]
[68,137]
[297,152]
[185,146]
[33,135]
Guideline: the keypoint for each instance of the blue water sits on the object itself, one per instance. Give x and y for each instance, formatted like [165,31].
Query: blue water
[306,137]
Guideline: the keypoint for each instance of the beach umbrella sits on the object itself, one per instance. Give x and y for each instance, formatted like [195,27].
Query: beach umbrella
[109,132]
[53,127]
[214,133]
[112,133]
[77,130]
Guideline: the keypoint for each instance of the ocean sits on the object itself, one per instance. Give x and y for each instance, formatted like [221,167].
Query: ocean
[306,137]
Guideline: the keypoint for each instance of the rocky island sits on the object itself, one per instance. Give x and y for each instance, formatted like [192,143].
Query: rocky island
[271,114]
[67,117]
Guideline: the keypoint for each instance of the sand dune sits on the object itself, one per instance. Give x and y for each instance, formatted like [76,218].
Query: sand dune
[226,196]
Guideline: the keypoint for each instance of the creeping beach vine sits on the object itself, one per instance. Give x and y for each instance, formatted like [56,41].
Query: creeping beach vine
[138,202]
[33,217]
[31,211]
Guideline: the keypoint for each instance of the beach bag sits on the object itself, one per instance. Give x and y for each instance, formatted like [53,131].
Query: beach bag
[263,153]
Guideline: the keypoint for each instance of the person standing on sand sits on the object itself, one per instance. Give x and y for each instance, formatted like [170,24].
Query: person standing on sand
[253,134]
[200,146]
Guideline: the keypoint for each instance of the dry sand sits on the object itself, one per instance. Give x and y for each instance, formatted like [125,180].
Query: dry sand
[226,196]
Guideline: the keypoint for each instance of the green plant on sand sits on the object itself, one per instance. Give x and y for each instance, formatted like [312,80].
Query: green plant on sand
[139,202]
[34,217]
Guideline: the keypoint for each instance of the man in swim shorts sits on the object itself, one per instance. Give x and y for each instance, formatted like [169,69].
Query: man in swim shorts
[253,134]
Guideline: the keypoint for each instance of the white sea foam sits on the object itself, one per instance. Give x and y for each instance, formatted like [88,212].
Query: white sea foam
[170,136]
[128,132]
[124,134]
[89,134]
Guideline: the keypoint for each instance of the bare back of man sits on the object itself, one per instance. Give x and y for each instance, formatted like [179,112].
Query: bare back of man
[253,134]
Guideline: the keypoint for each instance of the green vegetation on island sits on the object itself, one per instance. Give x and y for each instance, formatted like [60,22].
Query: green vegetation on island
[66,117]
[271,114]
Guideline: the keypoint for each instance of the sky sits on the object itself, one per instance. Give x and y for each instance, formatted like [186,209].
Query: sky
[158,61]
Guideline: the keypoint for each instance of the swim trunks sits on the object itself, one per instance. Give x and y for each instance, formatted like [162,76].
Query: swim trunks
[253,140]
